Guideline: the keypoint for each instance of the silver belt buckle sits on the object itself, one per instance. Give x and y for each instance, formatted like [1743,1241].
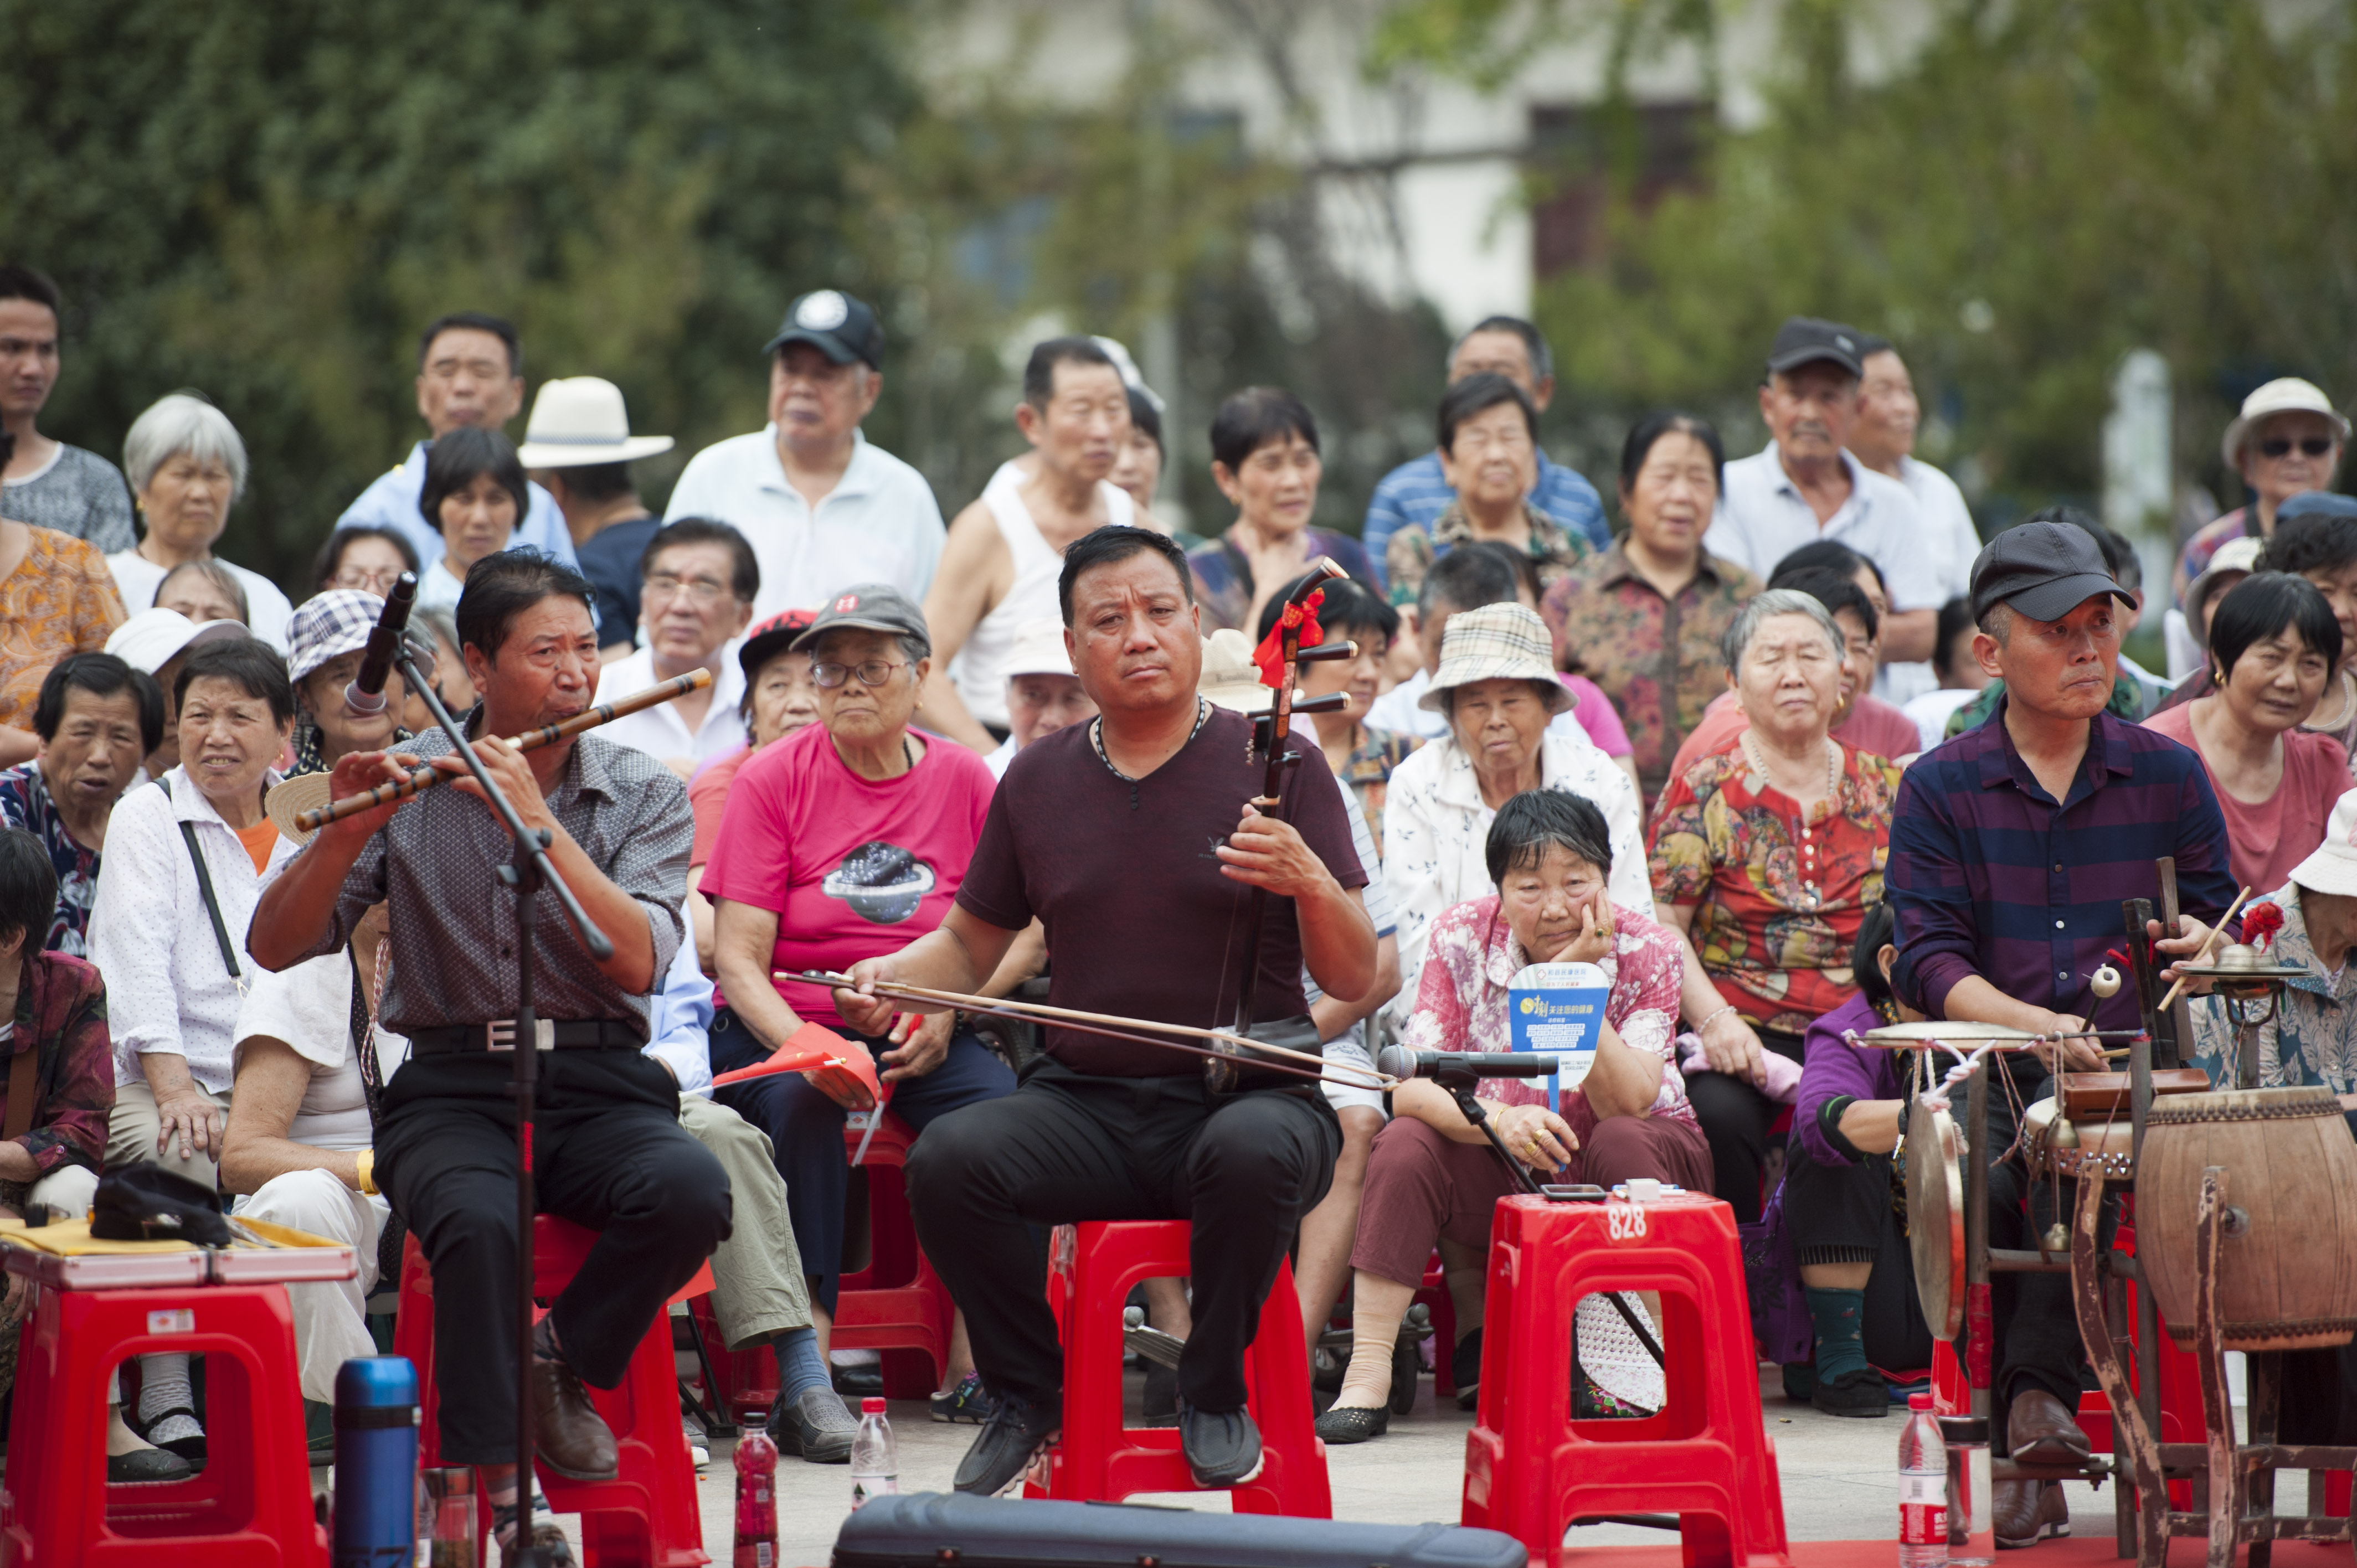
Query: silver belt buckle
[499,1034]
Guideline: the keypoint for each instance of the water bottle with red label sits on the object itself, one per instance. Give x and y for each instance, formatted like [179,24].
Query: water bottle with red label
[1922,1487]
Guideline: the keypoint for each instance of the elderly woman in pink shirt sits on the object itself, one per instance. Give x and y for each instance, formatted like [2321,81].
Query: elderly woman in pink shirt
[1433,1177]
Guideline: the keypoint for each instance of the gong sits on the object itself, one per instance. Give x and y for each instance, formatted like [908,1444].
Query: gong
[1936,1217]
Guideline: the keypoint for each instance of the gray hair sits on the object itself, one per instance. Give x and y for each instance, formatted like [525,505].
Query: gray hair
[178,423]
[1775,602]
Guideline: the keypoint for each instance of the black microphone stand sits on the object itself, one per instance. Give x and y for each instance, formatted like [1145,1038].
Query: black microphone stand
[526,873]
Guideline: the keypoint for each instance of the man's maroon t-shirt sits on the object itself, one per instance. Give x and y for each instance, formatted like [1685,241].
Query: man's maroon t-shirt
[1139,920]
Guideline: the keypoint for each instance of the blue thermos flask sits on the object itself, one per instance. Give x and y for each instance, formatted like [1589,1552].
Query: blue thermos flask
[376,1463]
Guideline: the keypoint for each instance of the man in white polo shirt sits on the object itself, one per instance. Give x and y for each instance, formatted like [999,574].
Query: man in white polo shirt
[698,581]
[1805,487]
[823,508]
[1884,440]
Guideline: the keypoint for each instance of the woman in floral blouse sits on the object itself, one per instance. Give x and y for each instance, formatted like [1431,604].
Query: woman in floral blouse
[1489,455]
[1767,854]
[1433,1177]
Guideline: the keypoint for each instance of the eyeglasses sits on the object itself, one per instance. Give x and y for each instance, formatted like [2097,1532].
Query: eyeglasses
[2309,446]
[703,590]
[874,673]
[378,582]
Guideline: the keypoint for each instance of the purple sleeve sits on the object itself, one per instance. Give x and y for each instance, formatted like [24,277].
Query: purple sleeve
[1598,716]
[1830,1068]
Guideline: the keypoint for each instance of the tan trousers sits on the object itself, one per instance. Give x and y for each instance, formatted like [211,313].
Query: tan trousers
[758,1292]
[131,1135]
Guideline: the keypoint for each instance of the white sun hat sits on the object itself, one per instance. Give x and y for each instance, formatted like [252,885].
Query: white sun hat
[2285,394]
[2331,867]
[580,420]
[1039,649]
[153,638]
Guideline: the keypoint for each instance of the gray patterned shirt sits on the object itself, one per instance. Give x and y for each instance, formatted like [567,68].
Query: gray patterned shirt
[79,493]
[454,931]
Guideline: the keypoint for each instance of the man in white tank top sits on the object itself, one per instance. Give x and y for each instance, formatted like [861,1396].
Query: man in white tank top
[1006,550]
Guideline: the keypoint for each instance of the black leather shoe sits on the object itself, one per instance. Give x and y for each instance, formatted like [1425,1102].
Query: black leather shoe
[1223,1446]
[1861,1393]
[568,1434]
[817,1426]
[863,1381]
[1012,1436]
[146,1464]
[2026,1512]
[1354,1423]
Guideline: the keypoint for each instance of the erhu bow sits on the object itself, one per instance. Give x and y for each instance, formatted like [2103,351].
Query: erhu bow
[1227,1072]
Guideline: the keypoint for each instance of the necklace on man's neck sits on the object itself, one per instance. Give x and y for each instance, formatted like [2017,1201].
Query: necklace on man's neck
[1096,740]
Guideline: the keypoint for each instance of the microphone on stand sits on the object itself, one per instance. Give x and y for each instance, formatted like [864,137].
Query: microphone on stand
[365,695]
[1398,1061]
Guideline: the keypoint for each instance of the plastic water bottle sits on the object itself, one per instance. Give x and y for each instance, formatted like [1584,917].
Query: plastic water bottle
[875,1463]
[757,1500]
[1922,1487]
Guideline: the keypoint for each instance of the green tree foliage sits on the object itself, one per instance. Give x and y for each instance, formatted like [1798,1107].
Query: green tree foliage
[267,202]
[2034,190]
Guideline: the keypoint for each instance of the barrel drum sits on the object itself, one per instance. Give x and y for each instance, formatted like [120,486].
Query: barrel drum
[2288,1278]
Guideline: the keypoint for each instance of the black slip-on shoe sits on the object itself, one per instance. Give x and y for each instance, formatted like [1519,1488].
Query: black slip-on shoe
[815,1427]
[1354,1423]
[146,1464]
[1223,1446]
[1465,1371]
[1860,1393]
[1012,1436]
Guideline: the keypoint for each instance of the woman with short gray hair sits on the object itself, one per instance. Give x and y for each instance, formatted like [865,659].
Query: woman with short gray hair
[1767,854]
[186,466]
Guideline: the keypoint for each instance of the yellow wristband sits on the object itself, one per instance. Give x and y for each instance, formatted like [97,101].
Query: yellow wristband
[366,1161]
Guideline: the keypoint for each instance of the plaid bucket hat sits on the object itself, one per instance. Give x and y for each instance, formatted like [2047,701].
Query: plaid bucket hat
[1496,642]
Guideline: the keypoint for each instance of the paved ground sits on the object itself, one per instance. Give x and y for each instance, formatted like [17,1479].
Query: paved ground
[1838,1477]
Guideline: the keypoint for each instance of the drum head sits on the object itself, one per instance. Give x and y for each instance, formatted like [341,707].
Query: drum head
[1935,1217]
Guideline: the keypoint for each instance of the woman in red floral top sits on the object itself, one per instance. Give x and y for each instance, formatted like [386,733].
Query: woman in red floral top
[1432,1176]
[1767,854]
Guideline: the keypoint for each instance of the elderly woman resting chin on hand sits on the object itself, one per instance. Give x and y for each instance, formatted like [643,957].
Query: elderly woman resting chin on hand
[1432,1176]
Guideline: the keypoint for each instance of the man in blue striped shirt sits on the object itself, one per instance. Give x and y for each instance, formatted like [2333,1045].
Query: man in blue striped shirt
[1416,491]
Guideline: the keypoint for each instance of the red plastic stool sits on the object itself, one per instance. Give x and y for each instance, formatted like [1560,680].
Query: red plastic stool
[647,1516]
[1099,1459]
[897,1305]
[1531,1469]
[252,1503]
[749,1378]
[1434,1293]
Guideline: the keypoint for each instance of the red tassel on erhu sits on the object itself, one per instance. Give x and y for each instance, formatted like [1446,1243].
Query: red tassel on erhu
[1270,654]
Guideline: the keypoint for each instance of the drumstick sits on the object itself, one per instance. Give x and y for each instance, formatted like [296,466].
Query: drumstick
[1066,1015]
[546,734]
[2203,952]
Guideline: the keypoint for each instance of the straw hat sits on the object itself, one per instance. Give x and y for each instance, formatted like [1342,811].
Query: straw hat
[2285,394]
[290,798]
[1230,678]
[579,419]
[1496,642]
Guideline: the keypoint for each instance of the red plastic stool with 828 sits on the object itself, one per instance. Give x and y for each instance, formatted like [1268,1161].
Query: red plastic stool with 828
[646,1517]
[907,1320]
[250,1506]
[1531,1469]
[1091,1269]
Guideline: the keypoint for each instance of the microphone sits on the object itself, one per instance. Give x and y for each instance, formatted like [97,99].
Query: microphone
[365,695]
[1398,1061]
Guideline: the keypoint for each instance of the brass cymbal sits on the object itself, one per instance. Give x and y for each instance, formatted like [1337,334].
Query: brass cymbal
[1935,1217]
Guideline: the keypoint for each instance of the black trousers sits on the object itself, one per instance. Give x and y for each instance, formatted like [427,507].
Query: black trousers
[2037,1341]
[608,1153]
[1734,1119]
[1842,1214]
[1065,1146]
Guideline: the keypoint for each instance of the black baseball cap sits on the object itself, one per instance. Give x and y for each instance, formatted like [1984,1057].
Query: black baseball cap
[2044,570]
[1806,339]
[837,324]
[771,638]
[870,606]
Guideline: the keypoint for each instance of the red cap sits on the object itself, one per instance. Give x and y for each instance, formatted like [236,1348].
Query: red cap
[1919,1402]
[873,1405]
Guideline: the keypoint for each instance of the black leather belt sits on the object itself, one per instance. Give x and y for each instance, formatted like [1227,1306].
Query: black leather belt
[499,1034]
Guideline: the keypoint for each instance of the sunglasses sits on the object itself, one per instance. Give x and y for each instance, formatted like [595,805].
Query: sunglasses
[2309,446]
